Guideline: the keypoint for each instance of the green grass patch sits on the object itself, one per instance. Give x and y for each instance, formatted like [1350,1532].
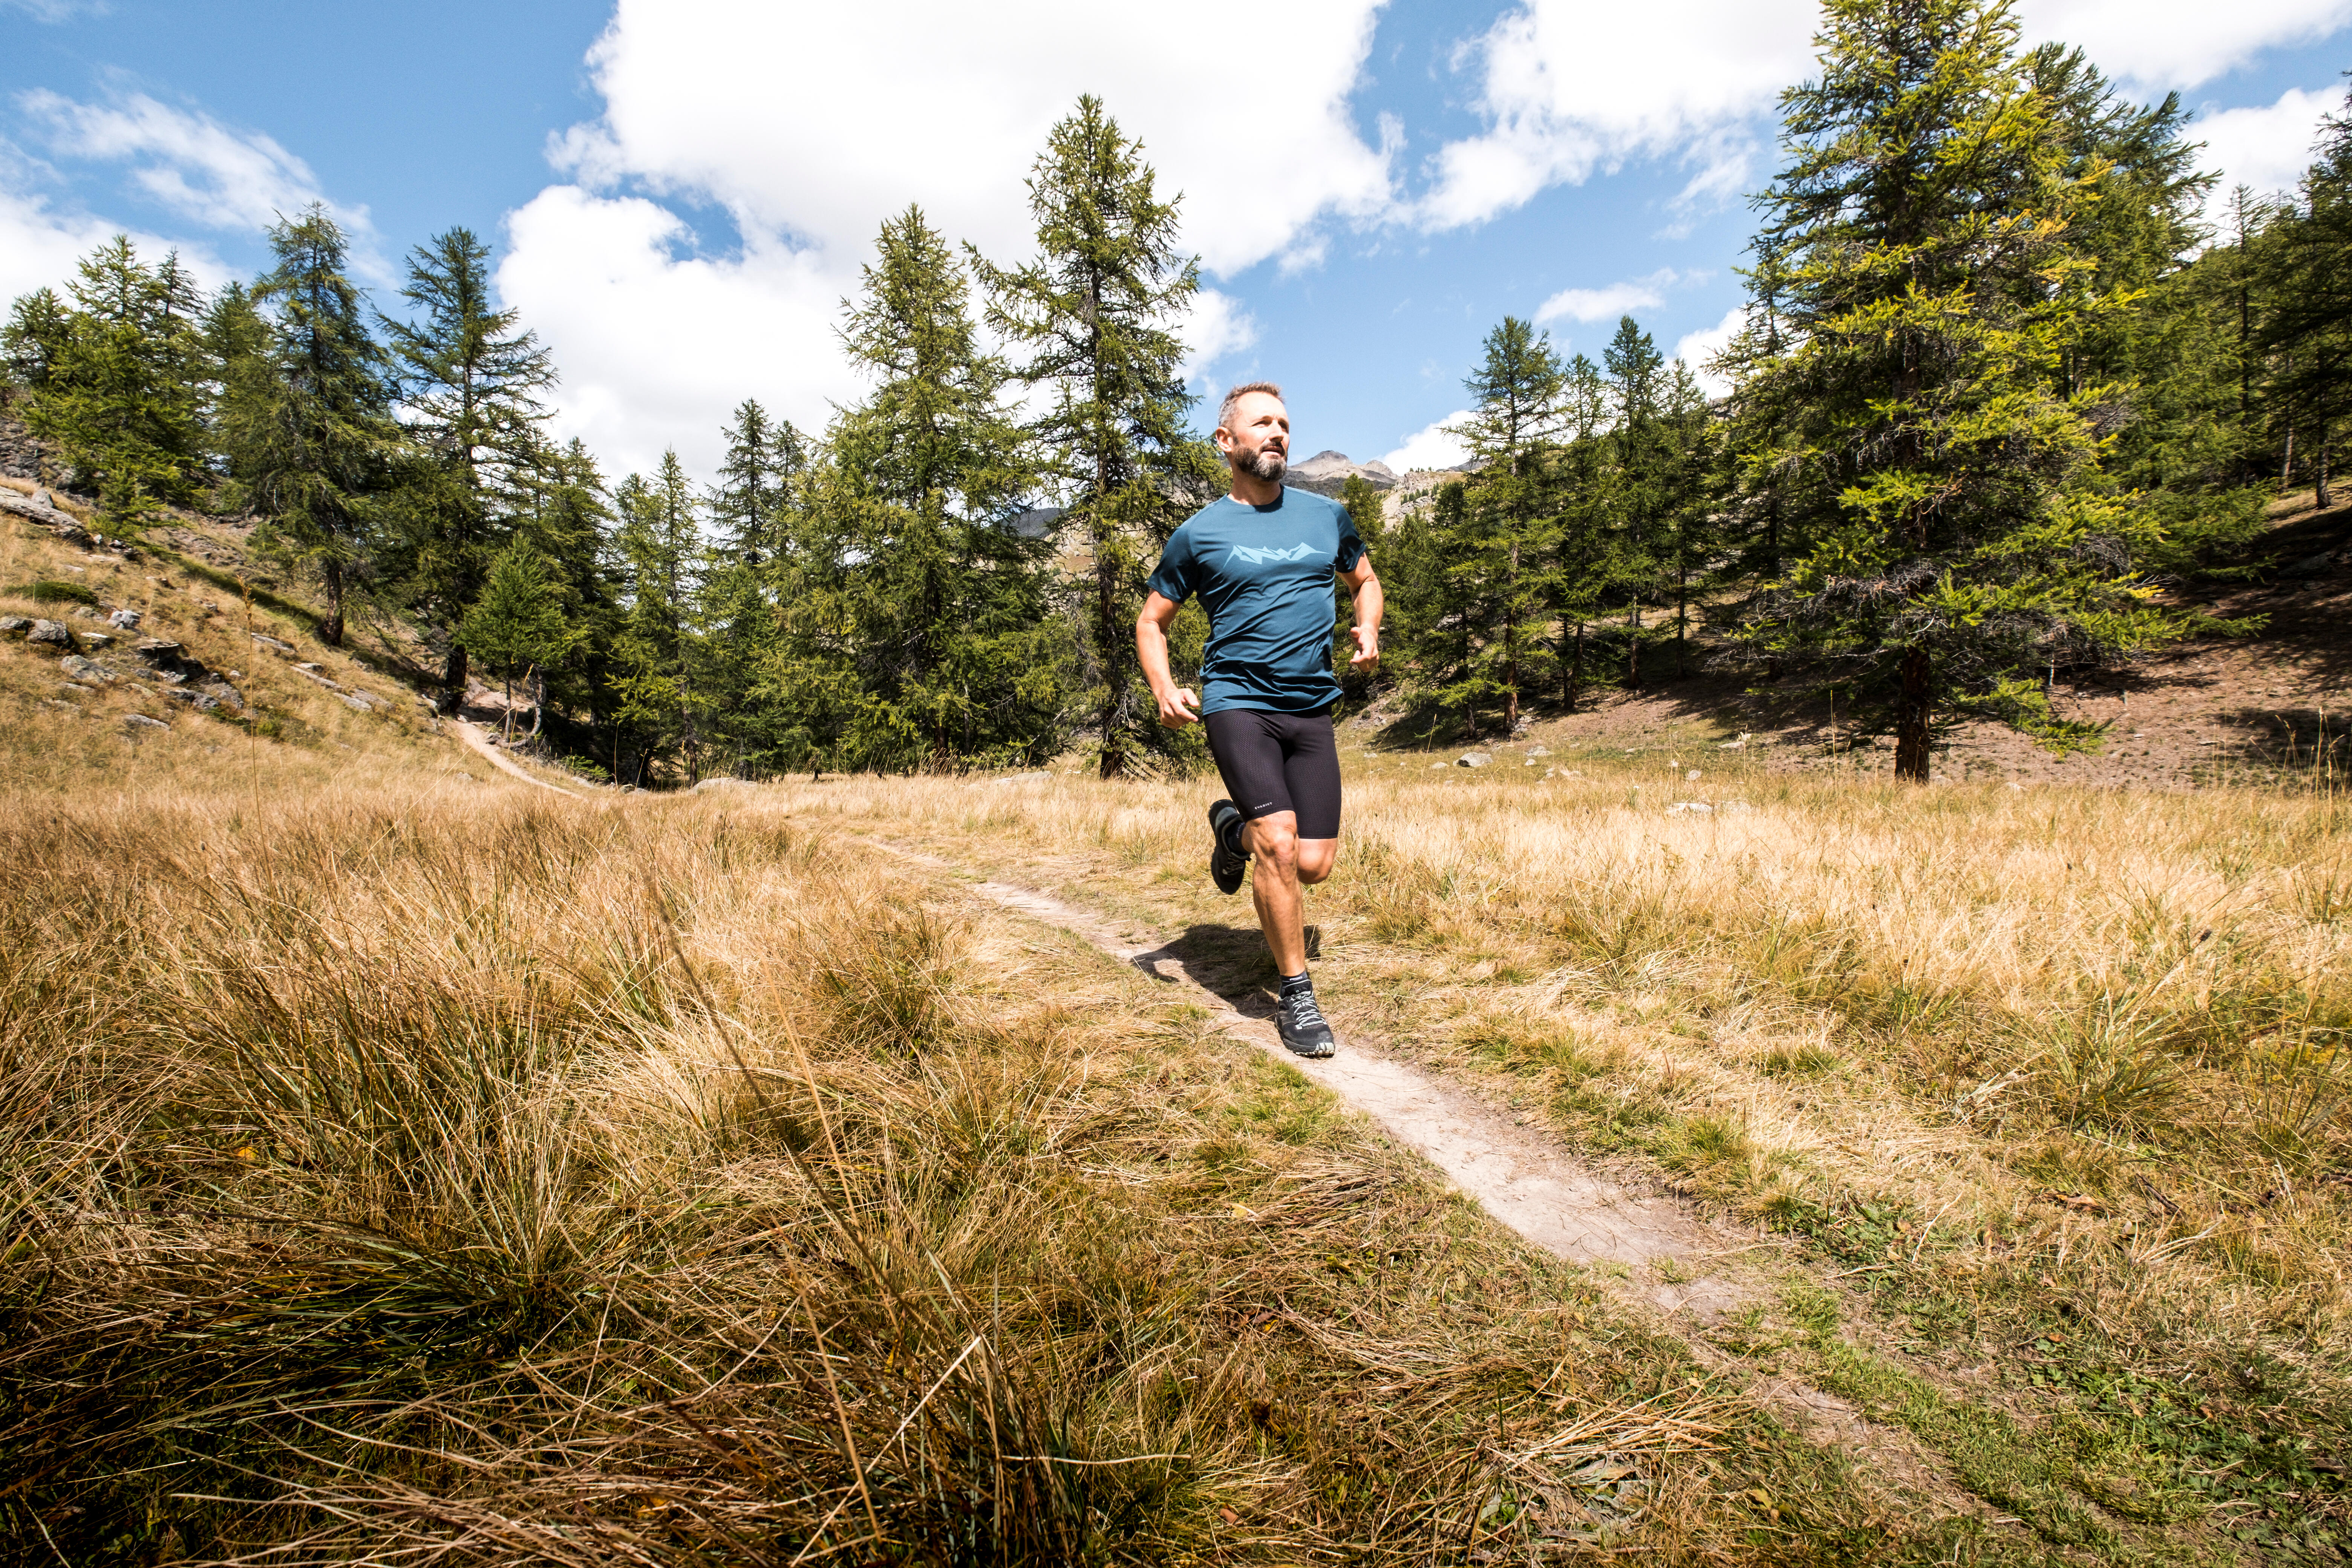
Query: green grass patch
[51,591]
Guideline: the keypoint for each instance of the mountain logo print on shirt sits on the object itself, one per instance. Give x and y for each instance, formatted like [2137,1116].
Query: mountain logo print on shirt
[1260,557]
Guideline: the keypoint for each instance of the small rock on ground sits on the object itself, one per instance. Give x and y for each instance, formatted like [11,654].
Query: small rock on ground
[50,634]
[140,722]
[1472,760]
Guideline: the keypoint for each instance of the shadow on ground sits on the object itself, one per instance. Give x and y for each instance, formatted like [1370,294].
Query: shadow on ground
[1230,962]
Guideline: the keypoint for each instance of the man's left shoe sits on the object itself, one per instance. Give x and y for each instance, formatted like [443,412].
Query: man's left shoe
[1301,1024]
[1226,868]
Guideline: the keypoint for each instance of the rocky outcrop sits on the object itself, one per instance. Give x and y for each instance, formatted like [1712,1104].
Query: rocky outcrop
[20,451]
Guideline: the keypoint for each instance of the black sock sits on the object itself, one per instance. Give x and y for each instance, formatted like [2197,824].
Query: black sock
[1236,843]
[1298,982]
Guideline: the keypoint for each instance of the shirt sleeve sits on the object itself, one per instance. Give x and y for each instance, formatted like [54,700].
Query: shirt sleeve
[1351,546]
[1172,578]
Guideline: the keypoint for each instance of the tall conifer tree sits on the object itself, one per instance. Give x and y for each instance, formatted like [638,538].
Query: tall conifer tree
[1945,480]
[1097,313]
[310,427]
[118,377]
[470,383]
[1505,543]
[957,658]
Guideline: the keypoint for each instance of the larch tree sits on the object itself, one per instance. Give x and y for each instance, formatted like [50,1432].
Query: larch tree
[470,386]
[1942,478]
[657,649]
[309,425]
[1097,313]
[2308,335]
[118,378]
[516,625]
[1638,382]
[1508,522]
[959,660]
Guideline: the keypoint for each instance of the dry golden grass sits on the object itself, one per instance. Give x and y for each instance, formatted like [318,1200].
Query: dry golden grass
[69,737]
[399,1175]
[2052,1084]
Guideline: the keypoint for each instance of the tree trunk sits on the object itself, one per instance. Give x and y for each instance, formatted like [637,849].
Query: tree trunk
[453,675]
[1576,669]
[1633,648]
[1911,716]
[1682,618]
[331,630]
[2319,496]
[1114,747]
[506,720]
[537,699]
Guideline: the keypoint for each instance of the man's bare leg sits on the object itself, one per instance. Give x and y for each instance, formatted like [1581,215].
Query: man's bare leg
[1285,863]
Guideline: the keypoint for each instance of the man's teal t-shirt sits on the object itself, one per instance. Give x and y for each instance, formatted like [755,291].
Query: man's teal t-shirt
[1264,575]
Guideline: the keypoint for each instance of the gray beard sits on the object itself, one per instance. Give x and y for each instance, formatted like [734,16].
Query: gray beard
[1268,465]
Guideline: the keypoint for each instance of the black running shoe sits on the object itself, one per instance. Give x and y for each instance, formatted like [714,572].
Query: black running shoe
[1226,865]
[1301,1023]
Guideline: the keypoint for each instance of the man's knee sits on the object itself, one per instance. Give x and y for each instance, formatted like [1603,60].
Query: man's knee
[1316,858]
[1275,841]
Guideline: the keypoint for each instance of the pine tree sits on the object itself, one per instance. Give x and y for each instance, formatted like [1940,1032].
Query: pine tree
[1638,382]
[565,518]
[311,426]
[1587,568]
[2309,331]
[1941,476]
[469,384]
[957,658]
[1505,543]
[117,378]
[34,338]
[765,456]
[1098,311]
[516,623]
[235,342]
[662,702]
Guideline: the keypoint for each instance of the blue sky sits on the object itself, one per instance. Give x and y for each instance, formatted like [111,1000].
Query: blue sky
[680,191]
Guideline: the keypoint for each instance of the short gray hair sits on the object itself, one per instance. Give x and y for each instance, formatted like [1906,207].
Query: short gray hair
[1226,409]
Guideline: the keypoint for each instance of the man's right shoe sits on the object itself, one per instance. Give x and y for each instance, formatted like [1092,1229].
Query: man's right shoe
[1301,1024]
[1227,863]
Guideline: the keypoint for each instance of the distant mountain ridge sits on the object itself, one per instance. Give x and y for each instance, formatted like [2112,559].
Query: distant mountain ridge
[1325,471]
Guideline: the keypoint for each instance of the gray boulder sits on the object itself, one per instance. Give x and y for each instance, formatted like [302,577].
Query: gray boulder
[124,620]
[137,721]
[50,634]
[1472,760]
[83,669]
[13,624]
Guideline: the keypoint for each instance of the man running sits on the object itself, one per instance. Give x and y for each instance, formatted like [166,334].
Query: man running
[1262,560]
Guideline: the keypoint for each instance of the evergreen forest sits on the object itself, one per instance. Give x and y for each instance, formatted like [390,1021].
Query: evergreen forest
[2006,385]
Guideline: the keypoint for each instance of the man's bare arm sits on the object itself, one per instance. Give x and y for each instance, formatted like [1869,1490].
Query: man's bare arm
[1178,705]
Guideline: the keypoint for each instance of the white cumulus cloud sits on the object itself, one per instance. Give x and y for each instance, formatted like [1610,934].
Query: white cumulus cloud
[1695,348]
[807,126]
[192,164]
[1431,446]
[2179,43]
[2266,147]
[1608,301]
[657,347]
[1568,90]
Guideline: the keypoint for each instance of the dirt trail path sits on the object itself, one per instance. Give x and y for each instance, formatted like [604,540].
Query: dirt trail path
[1647,1249]
[1530,1182]
[472,736]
